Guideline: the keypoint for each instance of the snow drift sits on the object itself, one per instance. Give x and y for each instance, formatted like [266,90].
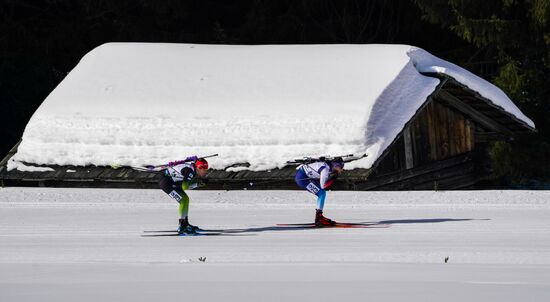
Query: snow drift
[141,103]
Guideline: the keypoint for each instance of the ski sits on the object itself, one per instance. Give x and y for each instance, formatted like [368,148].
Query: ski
[161,231]
[174,234]
[200,232]
[175,231]
[337,225]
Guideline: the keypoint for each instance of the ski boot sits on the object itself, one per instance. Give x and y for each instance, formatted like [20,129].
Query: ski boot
[186,228]
[194,227]
[321,220]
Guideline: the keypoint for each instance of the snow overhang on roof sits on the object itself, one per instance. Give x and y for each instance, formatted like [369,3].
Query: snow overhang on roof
[148,103]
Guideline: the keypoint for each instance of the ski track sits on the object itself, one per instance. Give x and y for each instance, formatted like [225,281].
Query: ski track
[86,245]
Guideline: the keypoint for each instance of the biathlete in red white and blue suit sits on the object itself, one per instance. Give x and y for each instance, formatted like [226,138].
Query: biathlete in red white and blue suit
[316,177]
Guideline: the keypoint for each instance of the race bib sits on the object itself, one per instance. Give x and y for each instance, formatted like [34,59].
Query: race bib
[175,195]
[312,188]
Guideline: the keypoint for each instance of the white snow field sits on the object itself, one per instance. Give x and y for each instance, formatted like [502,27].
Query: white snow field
[86,245]
[150,103]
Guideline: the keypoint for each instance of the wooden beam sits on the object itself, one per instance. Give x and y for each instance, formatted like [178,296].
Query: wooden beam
[452,82]
[477,116]
[414,178]
[408,148]
[483,137]
[4,162]
[398,176]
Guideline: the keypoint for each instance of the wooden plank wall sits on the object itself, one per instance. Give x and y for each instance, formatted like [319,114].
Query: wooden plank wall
[437,133]
[446,133]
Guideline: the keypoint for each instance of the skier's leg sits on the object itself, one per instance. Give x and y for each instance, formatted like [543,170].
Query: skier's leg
[315,188]
[184,205]
[168,186]
[183,210]
[175,191]
[301,179]
[311,185]
[321,194]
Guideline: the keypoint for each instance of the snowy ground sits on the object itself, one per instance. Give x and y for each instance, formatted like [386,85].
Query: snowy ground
[86,245]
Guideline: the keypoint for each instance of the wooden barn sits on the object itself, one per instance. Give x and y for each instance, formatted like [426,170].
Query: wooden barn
[443,146]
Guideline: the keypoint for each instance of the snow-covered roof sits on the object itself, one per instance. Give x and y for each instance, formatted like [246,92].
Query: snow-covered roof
[148,103]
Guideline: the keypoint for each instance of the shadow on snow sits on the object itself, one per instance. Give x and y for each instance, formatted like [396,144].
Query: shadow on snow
[367,224]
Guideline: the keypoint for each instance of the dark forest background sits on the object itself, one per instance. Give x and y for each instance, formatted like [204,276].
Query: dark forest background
[504,41]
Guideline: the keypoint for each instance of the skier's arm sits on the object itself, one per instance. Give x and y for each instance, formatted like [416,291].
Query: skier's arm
[324,177]
[189,181]
[193,184]
[188,174]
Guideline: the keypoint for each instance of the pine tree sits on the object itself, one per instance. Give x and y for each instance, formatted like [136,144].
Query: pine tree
[513,42]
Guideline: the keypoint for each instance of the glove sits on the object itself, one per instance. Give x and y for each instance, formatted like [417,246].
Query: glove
[202,182]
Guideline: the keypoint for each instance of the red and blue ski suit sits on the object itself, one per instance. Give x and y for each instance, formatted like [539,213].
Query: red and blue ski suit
[315,178]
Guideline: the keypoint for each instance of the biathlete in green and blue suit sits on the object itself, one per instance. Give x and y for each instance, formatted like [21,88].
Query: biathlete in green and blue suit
[178,177]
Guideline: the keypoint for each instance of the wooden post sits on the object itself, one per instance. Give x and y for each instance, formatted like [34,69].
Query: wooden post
[409,163]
